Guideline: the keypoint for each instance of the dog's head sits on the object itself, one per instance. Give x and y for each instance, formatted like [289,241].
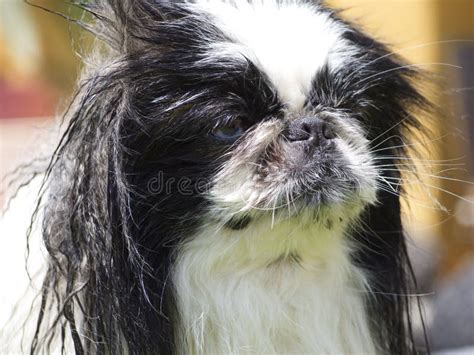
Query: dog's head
[221,114]
[240,110]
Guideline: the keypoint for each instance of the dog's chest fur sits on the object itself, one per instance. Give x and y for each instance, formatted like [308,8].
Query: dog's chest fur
[287,290]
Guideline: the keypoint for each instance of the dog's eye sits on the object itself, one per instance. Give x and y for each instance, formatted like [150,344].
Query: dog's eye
[229,133]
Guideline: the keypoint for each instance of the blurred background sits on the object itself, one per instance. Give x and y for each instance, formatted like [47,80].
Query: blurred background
[39,63]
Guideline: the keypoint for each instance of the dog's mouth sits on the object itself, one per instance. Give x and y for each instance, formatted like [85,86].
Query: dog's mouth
[326,193]
[310,178]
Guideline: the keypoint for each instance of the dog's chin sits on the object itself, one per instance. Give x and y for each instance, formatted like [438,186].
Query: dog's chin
[327,204]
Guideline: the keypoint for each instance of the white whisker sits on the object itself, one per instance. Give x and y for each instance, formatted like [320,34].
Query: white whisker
[367,79]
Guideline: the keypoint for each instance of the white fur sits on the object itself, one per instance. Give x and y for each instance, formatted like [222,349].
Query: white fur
[241,292]
[289,41]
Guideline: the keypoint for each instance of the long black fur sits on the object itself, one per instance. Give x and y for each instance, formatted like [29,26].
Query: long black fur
[111,241]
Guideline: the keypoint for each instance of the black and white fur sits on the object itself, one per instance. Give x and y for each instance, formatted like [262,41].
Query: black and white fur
[277,230]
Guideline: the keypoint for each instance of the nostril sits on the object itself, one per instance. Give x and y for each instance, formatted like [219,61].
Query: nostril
[311,129]
[306,130]
[328,132]
[299,132]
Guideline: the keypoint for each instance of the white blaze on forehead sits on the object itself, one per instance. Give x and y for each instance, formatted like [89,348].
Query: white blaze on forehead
[289,41]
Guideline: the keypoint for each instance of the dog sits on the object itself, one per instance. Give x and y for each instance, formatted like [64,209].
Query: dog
[225,185]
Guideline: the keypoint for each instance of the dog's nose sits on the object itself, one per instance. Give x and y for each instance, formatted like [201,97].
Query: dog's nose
[310,129]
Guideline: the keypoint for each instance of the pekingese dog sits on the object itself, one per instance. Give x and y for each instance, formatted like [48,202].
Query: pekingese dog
[224,185]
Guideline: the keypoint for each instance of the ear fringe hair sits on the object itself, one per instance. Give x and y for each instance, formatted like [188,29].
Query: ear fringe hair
[383,243]
[87,256]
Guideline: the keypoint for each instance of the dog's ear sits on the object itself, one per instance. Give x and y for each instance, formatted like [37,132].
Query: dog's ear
[383,255]
[138,11]
[128,24]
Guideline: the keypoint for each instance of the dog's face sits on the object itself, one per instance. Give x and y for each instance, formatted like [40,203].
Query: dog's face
[263,109]
[306,149]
